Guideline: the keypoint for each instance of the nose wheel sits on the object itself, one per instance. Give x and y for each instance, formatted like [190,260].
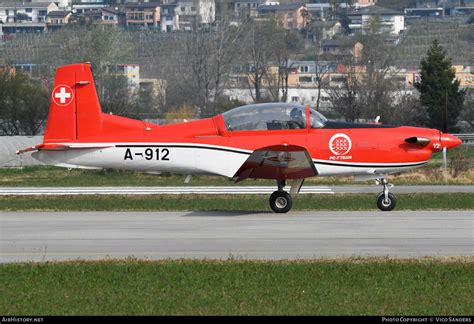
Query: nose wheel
[280,200]
[385,200]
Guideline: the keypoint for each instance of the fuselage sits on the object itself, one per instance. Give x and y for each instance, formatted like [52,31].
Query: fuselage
[206,146]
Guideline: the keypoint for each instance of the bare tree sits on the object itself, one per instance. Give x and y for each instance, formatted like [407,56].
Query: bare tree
[378,71]
[258,54]
[345,98]
[322,70]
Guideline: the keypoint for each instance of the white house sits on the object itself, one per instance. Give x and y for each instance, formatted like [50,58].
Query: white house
[392,21]
[28,12]
[169,18]
[62,4]
[195,11]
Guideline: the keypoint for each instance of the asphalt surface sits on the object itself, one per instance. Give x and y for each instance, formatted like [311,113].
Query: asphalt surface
[35,191]
[39,236]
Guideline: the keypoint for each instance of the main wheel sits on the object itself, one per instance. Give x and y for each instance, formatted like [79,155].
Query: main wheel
[280,201]
[386,205]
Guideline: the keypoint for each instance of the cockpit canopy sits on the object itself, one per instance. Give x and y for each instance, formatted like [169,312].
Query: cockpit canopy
[271,116]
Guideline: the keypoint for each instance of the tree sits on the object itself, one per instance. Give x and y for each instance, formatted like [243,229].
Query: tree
[23,104]
[345,99]
[439,89]
[378,72]
[258,54]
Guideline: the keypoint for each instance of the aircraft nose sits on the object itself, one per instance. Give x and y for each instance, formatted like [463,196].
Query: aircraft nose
[449,141]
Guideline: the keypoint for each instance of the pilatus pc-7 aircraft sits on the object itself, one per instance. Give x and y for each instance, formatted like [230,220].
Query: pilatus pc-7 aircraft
[277,141]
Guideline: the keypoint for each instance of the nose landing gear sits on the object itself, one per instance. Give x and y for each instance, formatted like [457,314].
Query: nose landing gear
[280,200]
[385,200]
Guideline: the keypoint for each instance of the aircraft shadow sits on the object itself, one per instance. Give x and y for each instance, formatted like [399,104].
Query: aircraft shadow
[233,213]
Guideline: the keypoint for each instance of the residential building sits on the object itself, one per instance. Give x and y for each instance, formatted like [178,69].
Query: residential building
[112,16]
[35,71]
[293,16]
[62,4]
[392,21]
[195,12]
[82,6]
[143,15]
[364,3]
[423,12]
[339,47]
[25,12]
[57,19]
[464,73]
[445,4]
[321,30]
[319,11]
[457,11]
[308,73]
[130,71]
[245,7]
[25,17]
[355,3]
[169,19]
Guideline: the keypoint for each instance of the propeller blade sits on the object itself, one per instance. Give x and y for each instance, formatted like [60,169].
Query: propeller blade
[445,163]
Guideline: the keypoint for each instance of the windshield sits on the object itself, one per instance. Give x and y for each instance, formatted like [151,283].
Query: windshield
[317,119]
[269,116]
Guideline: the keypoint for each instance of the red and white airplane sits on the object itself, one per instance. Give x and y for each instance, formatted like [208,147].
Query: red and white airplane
[277,141]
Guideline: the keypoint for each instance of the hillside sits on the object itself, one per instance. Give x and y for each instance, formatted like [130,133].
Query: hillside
[455,36]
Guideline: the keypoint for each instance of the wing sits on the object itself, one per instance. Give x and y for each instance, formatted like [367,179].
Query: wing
[279,162]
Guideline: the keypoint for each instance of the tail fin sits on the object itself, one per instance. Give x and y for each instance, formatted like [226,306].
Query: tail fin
[73,88]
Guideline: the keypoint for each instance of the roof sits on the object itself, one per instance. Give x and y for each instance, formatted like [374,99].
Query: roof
[289,7]
[326,24]
[375,10]
[339,43]
[26,5]
[142,5]
[312,65]
[58,14]
[111,10]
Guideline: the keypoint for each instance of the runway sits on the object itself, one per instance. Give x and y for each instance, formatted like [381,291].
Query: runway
[35,191]
[39,236]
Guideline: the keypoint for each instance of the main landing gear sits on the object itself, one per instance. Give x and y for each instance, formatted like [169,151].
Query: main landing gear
[280,200]
[385,200]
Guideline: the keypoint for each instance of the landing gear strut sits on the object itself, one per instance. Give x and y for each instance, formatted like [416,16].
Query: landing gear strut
[385,200]
[280,200]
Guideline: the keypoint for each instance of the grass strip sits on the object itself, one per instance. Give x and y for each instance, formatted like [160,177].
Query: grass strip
[233,287]
[449,201]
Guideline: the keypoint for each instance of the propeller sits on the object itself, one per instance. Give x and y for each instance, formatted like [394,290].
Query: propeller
[447,142]
[445,163]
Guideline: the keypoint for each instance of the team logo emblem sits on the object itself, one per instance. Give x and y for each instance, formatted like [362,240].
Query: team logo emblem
[340,144]
[62,95]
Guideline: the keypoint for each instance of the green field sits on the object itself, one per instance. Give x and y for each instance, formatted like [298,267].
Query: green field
[256,203]
[325,287]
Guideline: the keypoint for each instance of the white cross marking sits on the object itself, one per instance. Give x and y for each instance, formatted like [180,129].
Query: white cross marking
[62,95]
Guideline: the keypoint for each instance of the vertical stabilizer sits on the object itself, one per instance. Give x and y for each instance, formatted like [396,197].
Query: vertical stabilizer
[74,111]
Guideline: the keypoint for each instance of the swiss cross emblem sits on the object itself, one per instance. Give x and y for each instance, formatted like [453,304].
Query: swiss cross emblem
[62,95]
[340,144]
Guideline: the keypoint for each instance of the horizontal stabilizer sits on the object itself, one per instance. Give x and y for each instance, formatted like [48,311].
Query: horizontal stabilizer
[58,147]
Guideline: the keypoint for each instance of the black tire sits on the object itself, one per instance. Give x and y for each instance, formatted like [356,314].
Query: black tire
[280,202]
[386,205]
